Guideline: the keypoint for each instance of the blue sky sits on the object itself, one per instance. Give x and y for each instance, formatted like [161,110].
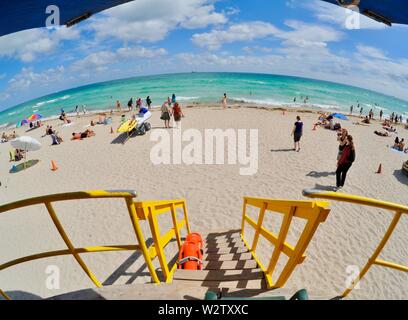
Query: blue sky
[300,38]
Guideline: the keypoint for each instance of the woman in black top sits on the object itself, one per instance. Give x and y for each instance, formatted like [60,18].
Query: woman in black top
[345,162]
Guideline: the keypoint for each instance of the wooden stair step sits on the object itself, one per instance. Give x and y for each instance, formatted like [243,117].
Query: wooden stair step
[230,265]
[226,250]
[218,275]
[227,257]
[224,244]
[257,284]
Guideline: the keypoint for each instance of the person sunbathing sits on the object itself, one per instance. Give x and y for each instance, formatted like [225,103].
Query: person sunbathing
[366,120]
[4,137]
[82,135]
[390,129]
[382,134]
[18,155]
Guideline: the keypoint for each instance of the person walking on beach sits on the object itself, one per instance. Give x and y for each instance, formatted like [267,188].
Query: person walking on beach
[130,104]
[165,114]
[392,117]
[177,113]
[148,102]
[361,112]
[345,162]
[118,106]
[77,111]
[224,101]
[297,133]
[351,110]
[381,114]
[342,139]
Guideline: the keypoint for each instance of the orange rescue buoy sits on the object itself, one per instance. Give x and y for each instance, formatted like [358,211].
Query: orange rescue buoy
[196,238]
[190,257]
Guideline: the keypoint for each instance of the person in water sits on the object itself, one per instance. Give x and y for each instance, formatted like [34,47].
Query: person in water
[345,162]
[173,99]
[297,133]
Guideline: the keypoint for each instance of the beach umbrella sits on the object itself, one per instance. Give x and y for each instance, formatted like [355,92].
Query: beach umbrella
[34,117]
[25,143]
[22,123]
[339,116]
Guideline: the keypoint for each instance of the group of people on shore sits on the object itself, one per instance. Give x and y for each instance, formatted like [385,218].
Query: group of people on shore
[139,104]
[171,108]
[7,137]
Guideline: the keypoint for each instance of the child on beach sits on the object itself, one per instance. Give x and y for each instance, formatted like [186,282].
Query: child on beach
[345,162]
[297,133]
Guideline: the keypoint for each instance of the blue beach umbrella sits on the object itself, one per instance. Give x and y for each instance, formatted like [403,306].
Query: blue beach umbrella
[22,123]
[339,116]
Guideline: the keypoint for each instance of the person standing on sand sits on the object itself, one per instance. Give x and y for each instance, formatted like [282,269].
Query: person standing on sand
[224,101]
[297,133]
[345,162]
[130,104]
[177,113]
[381,114]
[165,114]
[118,106]
[342,139]
[148,102]
[351,109]
[361,112]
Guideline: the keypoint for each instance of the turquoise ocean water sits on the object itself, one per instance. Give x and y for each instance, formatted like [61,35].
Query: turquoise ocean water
[265,89]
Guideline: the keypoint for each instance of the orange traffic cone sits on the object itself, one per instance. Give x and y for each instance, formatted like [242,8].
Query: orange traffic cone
[379,169]
[111,130]
[53,166]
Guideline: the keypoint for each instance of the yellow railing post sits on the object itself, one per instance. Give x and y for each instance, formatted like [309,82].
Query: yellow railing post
[186,217]
[175,223]
[303,242]
[376,253]
[69,244]
[244,206]
[139,236]
[2,293]
[154,227]
[258,227]
[281,239]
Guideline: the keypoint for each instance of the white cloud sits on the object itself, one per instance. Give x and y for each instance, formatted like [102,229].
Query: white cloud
[99,61]
[146,20]
[302,34]
[27,45]
[371,52]
[249,31]
[27,77]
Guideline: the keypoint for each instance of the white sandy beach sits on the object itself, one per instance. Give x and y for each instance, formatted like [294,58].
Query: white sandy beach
[214,195]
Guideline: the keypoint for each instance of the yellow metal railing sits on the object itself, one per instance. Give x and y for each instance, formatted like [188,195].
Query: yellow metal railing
[150,210]
[398,210]
[314,212]
[137,211]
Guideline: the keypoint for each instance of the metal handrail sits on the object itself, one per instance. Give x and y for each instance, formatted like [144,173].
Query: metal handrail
[136,212]
[398,209]
[315,212]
